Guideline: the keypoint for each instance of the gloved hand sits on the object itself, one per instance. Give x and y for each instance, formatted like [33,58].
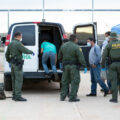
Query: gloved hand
[33,53]
[103,69]
[9,65]
[85,70]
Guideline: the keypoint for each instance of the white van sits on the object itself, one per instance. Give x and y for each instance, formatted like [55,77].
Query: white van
[33,34]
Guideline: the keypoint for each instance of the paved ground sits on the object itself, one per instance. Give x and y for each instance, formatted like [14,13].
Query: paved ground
[43,104]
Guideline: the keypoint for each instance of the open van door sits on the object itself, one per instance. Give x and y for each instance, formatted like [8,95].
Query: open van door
[30,41]
[83,32]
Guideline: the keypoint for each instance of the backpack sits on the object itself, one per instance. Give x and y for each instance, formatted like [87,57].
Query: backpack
[2,93]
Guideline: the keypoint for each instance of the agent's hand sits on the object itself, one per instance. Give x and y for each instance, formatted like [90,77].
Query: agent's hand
[103,69]
[9,65]
[85,70]
[33,53]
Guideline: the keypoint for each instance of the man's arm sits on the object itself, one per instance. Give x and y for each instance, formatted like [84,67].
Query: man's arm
[104,55]
[81,58]
[24,49]
[7,55]
[98,55]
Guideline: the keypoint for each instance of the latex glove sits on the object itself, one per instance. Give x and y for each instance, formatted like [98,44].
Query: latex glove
[103,69]
[9,65]
[85,70]
[33,53]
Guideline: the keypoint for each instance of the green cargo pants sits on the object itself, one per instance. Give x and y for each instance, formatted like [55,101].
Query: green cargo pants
[17,81]
[70,75]
[114,71]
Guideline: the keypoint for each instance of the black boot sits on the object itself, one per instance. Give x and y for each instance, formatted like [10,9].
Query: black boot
[91,95]
[113,100]
[20,99]
[62,99]
[105,93]
[74,100]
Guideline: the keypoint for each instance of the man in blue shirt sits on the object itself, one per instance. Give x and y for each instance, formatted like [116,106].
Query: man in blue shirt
[49,51]
[95,69]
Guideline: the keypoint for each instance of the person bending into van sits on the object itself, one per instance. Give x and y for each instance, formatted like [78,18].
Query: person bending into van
[49,51]
[95,68]
[14,57]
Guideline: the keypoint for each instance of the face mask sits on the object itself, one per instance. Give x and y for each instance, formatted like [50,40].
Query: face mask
[88,44]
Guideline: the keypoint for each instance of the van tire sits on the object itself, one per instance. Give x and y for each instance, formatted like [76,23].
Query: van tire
[7,83]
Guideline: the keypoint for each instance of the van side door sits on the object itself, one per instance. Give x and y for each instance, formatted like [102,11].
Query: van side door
[30,41]
[83,32]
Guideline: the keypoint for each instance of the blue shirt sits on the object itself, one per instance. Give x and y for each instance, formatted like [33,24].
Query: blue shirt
[48,47]
[95,55]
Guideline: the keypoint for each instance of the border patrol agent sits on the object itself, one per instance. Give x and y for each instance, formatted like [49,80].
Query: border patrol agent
[71,56]
[14,57]
[112,51]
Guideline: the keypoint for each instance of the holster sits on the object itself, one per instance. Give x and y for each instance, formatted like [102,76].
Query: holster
[17,62]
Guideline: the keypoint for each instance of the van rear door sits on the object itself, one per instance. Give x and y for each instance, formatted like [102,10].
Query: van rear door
[83,32]
[30,41]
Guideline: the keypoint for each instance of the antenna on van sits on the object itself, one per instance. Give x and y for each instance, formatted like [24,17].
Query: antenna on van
[43,20]
[92,11]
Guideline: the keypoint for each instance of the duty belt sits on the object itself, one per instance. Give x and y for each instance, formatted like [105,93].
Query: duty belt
[70,63]
[17,62]
[115,60]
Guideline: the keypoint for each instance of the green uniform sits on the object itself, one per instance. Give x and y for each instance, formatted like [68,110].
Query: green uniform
[15,49]
[112,50]
[71,52]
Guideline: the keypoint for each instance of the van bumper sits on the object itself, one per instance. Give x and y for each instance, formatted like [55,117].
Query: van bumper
[35,75]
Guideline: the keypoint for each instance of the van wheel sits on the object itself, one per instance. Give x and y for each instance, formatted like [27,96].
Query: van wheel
[7,83]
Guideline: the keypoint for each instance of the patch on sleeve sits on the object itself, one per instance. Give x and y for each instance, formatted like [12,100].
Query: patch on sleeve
[80,49]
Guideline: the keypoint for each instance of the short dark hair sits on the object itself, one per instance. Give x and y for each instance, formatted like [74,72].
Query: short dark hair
[91,39]
[65,40]
[73,37]
[108,33]
[17,34]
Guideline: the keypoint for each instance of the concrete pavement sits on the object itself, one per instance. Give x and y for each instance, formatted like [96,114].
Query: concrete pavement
[43,104]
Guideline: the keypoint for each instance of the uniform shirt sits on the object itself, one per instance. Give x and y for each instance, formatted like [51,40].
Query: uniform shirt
[16,48]
[94,55]
[70,51]
[48,47]
[112,50]
[104,44]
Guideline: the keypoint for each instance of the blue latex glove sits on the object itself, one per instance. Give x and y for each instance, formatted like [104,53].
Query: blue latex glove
[85,70]
[103,69]
[9,65]
[33,53]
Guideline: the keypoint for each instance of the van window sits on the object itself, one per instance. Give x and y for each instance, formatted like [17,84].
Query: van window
[83,33]
[28,34]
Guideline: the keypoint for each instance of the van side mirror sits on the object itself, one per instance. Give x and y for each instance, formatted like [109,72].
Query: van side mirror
[3,39]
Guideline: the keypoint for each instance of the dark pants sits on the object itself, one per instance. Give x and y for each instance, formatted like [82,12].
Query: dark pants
[17,80]
[114,76]
[96,78]
[70,75]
